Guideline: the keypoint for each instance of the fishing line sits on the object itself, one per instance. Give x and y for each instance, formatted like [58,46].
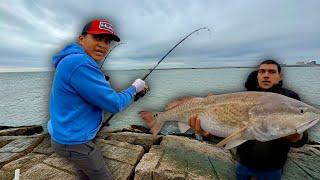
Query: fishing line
[109,53]
[142,93]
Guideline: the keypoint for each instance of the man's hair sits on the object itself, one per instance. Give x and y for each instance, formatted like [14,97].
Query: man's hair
[270,61]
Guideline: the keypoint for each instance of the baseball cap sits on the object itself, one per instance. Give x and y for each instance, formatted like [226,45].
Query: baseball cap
[100,26]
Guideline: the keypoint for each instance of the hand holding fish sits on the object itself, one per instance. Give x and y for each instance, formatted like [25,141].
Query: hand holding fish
[194,123]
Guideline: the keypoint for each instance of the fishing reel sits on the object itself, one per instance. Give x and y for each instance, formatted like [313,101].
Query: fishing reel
[141,93]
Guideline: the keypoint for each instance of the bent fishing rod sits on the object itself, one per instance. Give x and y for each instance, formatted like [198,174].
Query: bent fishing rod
[142,93]
[105,76]
[109,53]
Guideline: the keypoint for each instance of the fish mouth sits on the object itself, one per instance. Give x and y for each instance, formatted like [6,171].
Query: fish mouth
[306,125]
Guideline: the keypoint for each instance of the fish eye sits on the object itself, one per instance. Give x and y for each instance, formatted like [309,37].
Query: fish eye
[301,111]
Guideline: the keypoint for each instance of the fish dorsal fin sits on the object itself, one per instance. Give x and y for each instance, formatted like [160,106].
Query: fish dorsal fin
[233,136]
[177,102]
[183,127]
[210,94]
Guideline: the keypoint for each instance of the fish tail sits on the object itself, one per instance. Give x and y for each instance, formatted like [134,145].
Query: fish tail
[151,120]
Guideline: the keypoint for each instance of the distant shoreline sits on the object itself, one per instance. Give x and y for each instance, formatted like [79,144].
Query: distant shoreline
[222,67]
[228,67]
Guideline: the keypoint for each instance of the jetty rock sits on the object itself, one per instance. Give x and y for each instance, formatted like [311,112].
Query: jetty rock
[141,156]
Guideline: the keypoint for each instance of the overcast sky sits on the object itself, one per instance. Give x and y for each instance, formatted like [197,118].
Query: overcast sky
[242,32]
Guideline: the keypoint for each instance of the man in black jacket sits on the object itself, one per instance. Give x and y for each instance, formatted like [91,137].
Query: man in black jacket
[263,160]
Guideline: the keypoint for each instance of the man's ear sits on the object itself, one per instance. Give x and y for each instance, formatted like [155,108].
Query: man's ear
[80,39]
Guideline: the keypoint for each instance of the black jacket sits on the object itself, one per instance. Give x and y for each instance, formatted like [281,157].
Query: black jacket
[268,155]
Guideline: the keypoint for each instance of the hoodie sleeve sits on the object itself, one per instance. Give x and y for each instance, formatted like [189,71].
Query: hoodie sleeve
[90,83]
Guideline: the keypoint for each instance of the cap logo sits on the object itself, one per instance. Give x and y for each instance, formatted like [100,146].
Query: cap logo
[105,26]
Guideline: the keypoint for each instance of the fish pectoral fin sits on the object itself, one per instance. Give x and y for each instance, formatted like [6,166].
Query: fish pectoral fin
[155,129]
[183,127]
[234,143]
[235,135]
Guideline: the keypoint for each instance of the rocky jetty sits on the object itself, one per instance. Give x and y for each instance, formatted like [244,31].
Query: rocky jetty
[137,155]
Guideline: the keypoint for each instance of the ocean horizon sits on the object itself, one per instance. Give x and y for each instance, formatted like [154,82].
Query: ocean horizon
[175,68]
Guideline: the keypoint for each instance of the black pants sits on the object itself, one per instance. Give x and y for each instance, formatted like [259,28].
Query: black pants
[88,160]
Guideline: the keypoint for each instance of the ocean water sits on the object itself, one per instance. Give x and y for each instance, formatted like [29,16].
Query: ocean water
[25,96]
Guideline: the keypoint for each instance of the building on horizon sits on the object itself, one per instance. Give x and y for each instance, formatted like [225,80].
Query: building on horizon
[300,63]
[311,63]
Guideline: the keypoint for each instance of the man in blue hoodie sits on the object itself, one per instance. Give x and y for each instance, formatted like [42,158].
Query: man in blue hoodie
[79,95]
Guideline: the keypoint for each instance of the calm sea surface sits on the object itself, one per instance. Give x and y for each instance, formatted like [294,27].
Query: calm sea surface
[24,97]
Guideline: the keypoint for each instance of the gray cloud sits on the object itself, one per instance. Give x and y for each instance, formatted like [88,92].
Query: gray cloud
[242,32]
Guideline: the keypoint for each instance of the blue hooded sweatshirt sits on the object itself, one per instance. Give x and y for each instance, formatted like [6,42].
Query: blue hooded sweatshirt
[79,95]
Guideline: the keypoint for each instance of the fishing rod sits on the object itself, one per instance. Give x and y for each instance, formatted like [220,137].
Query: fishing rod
[109,53]
[142,93]
[105,76]
[145,77]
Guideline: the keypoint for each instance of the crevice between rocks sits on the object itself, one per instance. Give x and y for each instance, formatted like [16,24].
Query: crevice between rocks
[213,169]
[21,130]
[158,141]
[132,175]
[147,150]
